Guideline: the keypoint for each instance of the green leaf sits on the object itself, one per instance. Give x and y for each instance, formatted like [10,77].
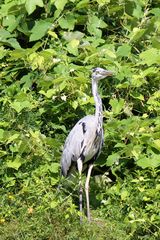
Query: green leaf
[4,34]
[13,43]
[49,93]
[124,50]
[156,144]
[150,56]
[72,47]
[53,204]
[10,22]
[110,53]
[75,104]
[136,34]
[67,22]
[155,11]
[82,4]
[112,159]
[124,195]
[61,127]
[117,105]
[39,30]
[94,24]
[31,5]
[60,4]
[137,95]
[14,164]
[149,162]
[54,167]
[3,52]
[1,133]
[19,106]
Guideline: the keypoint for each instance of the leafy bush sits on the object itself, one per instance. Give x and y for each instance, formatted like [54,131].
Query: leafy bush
[47,49]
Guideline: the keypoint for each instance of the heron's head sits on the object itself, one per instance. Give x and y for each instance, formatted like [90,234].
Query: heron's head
[100,73]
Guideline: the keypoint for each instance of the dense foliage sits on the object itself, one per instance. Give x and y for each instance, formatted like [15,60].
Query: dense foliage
[47,49]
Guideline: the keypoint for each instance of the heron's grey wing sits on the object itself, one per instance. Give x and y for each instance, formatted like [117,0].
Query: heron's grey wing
[75,145]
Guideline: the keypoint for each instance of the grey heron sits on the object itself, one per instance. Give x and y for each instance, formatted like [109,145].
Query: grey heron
[84,142]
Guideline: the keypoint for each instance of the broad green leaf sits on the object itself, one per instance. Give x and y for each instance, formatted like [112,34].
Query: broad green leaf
[155,11]
[110,53]
[39,30]
[117,105]
[36,61]
[31,5]
[124,50]
[67,22]
[82,4]
[10,22]
[150,56]
[137,81]
[14,164]
[60,4]
[19,106]
[149,162]
[94,25]
[13,43]
[72,47]
[112,159]
[4,34]
[49,93]
[136,34]
[137,12]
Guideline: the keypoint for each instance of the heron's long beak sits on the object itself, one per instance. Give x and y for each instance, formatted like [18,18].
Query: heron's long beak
[107,73]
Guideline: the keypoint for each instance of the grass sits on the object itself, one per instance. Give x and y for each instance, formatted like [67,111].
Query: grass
[54,226]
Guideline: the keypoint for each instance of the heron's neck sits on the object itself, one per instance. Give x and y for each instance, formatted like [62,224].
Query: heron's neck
[98,102]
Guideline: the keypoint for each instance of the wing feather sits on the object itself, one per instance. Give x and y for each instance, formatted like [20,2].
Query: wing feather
[81,143]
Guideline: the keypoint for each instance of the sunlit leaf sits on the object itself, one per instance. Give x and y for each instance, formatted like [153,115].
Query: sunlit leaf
[72,47]
[150,56]
[31,5]
[112,159]
[67,22]
[117,105]
[124,50]
[13,137]
[1,133]
[14,164]
[149,162]
[60,4]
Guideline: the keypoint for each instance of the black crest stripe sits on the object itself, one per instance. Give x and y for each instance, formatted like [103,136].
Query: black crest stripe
[84,127]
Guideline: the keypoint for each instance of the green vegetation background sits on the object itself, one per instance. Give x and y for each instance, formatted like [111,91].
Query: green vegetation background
[47,49]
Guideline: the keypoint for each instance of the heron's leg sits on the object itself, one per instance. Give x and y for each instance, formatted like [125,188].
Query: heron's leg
[87,190]
[80,166]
